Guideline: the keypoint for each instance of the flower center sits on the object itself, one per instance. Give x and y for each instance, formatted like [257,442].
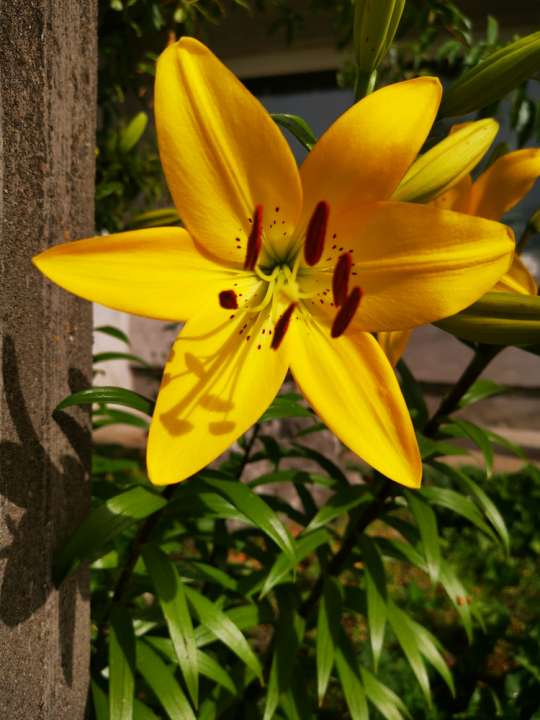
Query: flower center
[280,288]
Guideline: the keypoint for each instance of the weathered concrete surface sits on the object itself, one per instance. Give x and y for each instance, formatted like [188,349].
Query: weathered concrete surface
[47,128]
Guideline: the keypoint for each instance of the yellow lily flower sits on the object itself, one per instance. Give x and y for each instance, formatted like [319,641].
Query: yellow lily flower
[496,191]
[279,268]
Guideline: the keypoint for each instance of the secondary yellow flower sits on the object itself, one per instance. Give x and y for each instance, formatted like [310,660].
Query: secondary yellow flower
[282,268]
[491,196]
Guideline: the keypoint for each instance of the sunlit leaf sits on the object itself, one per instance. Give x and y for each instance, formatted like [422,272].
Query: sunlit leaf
[480,390]
[340,503]
[223,628]
[96,531]
[161,680]
[118,396]
[385,700]
[349,676]
[113,332]
[171,596]
[376,593]
[426,521]
[328,627]
[121,665]
[298,127]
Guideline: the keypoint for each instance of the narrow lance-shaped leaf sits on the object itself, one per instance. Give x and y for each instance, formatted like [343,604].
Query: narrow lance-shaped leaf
[376,593]
[298,127]
[342,502]
[385,700]
[254,508]
[121,665]
[426,521]
[110,519]
[350,679]
[118,396]
[223,628]
[161,680]
[407,640]
[173,603]
[327,638]
[288,637]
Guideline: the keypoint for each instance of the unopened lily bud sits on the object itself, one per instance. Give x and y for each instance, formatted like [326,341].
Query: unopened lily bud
[489,81]
[375,25]
[498,319]
[447,162]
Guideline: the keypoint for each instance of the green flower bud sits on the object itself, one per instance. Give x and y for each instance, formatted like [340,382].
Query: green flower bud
[498,319]
[375,25]
[489,81]
[447,162]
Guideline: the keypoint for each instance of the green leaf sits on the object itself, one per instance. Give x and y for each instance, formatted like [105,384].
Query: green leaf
[385,700]
[413,394]
[161,680]
[106,356]
[460,504]
[118,396]
[376,595]
[96,531]
[100,702]
[224,629]
[298,127]
[408,642]
[285,406]
[113,332]
[254,508]
[427,645]
[350,679]
[458,595]
[131,135]
[283,565]
[288,637]
[340,503]
[173,603]
[244,617]
[327,465]
[480,390]
[206,664]
[143,712]
[121,665]
[486,505]
[426,521]
[328,626]
[465,429]
[106,416]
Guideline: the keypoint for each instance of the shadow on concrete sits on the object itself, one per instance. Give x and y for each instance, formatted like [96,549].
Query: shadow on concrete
[39,513]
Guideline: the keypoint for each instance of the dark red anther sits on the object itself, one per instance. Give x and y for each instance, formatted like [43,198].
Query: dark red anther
[316,233]
[340,279]
[282,326]
[228,300]
[254,240]
[346,312]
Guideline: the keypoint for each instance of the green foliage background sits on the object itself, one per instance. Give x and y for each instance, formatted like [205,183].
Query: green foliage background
[318,596]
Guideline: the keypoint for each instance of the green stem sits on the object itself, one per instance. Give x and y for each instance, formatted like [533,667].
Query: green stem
[364,84]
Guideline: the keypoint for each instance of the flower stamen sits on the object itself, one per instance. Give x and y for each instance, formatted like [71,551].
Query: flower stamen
[340,279]
[282,326]
[346,313]
[316,233]
[255,239]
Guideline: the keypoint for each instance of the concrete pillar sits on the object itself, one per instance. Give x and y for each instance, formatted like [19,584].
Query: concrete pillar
[47,153]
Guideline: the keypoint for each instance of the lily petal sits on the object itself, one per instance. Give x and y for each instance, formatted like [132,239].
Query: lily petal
[365,154]
[505,183]
[403,255]
[222,154]
[219,379]
[394,344]
[156,272]
[518,280]
[351,385]
[457,198]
